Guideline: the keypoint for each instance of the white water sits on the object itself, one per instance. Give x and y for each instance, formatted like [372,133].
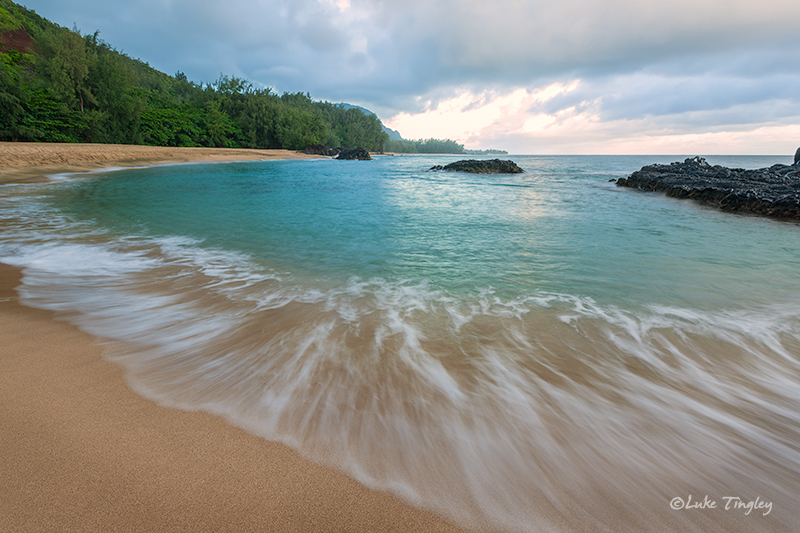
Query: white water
[547,411]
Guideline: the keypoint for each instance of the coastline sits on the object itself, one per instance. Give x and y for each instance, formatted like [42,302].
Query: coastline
[83,452]
[609,467]
[31,162]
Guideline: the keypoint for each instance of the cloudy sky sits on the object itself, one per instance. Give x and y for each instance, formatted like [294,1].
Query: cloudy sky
[529,76]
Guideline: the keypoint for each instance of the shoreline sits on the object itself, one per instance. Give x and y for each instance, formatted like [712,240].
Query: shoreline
[69,416]
[31,162]
[83,452]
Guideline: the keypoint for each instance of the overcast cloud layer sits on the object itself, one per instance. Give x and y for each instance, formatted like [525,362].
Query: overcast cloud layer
[573,76]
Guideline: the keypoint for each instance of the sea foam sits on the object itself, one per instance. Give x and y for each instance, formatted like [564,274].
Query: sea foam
[543,411]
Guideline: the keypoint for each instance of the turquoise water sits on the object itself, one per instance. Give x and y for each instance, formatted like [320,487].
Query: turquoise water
[531,351]
[560,227]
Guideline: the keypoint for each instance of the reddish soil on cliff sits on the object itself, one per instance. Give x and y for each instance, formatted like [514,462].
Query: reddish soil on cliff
[18,40]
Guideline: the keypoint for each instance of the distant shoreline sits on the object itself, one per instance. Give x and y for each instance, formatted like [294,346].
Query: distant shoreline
[31,162]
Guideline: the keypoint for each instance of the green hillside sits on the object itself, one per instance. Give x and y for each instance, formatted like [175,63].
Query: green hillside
[57,85]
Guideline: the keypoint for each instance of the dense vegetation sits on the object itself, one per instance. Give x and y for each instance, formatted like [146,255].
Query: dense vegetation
[58,85]
[424,146]
[490,151]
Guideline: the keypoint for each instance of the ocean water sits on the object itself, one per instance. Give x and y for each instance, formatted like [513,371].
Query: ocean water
[532,352]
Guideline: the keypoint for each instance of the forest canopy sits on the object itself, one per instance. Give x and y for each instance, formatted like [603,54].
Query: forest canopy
[57,85]
[425,146]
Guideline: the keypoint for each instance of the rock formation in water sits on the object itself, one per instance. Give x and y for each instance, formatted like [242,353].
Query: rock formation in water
[773,191]
[359,153]
[481,166]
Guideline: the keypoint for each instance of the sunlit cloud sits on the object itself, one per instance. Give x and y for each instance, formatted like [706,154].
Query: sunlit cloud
[569,118]
[767,139]
[584,132]
[466,116]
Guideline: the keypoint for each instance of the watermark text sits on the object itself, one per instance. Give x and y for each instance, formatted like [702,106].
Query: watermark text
[729,503]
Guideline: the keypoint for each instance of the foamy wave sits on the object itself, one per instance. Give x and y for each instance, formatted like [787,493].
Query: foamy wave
[542,411]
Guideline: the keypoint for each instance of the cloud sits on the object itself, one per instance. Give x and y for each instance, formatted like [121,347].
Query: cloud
[577,118]
[685,66]
[467,115]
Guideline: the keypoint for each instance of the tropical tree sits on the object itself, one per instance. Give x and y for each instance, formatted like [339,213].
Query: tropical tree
[65,65]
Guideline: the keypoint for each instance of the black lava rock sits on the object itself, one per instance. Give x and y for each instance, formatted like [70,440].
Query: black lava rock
[773,191]
[359,153]
[481,166]
[321,149]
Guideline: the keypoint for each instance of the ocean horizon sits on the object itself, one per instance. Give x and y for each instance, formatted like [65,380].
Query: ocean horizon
[528,352]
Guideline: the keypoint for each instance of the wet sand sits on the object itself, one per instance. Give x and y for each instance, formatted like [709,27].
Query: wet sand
[82,452]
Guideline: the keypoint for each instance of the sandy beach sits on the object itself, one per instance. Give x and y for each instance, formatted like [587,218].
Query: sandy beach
[33,161]
[82,452]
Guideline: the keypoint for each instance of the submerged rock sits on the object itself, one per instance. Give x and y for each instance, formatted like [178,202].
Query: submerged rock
[773,191]
[481,166]
[359,153]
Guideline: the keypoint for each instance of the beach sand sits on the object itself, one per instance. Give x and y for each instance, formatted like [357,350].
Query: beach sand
[33,161]
[82,452]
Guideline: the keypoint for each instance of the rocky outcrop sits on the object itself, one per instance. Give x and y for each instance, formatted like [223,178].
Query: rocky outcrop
[481,166]
[773,191]
[797,156]
[321,149]
[337,153]
[359,153]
